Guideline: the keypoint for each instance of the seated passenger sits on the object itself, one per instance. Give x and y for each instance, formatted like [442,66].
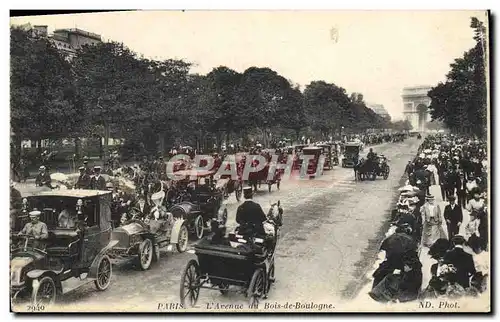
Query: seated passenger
[66,219]
[250,215]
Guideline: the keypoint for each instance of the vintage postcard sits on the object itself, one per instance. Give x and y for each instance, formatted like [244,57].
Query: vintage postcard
[250,161]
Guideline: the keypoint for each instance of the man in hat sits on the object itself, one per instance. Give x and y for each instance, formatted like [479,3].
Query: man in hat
[461,260]
[43,178]
[250,214]
[97,182]
[142,205]
[453,216]
[36,229]
[88,169]
[461,186]
[83,181]
[432,228]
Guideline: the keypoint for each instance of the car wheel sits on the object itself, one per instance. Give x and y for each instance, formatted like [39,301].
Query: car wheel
[198,227]
[104,273]
[145,255]
[44,294]
[182,241]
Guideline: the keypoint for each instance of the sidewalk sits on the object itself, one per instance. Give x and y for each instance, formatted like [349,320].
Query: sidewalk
[481,260]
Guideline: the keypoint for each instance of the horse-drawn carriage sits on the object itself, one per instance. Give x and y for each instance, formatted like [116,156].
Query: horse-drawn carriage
[371,169]
[255,179]
[143,236]
[79,229]
[242,259]
[313,165]
[198,201]
[328,152]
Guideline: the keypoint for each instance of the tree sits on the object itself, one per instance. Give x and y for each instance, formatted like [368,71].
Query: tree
[460,102]
[42,90]
[324,105]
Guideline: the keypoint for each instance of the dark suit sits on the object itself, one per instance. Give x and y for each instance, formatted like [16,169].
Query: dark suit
[454,216]
[43,179]
[145,210]
[98,183]
[251,214]
[463,262]
[83,182]
[16,200]
[461,191]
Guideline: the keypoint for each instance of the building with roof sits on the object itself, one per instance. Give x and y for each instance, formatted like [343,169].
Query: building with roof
[416,106]
[67,40]
[380,110]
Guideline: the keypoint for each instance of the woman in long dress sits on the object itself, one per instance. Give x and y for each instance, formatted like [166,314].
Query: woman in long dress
[432,229]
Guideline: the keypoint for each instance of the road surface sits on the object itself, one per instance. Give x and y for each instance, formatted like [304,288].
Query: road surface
[330,238]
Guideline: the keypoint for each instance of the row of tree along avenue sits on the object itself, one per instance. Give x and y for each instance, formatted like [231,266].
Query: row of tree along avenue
[461,102]
[108,91]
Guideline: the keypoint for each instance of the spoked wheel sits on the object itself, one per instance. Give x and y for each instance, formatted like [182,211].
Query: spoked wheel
[45,293]
[386,173]
[257,287]
[238,192]
[182,241]
[145,255]
[198,227]
[104,272]
[190,284]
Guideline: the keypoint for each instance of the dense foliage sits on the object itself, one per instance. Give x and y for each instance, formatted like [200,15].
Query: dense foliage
[109,91]
[461,102]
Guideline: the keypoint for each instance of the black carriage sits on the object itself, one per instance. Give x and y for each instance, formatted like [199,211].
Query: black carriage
[313,166]
[255,179]
[370,169]
[79,229]
[237,263]
[351,154]
[201,206]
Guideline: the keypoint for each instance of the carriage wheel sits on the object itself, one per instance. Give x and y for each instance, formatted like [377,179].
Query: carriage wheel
[190,283]
[104,273]
[198,227]
[238,192]
[386,173]
[45,293]
[145,255]
[269,187]
[182,241]
[256,288]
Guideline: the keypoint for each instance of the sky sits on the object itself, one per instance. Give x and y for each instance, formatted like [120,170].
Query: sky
[376,53]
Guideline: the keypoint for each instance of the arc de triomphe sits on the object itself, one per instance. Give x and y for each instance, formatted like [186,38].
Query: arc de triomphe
[416,103]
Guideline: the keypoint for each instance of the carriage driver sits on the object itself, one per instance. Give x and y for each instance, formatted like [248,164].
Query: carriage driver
[250,214]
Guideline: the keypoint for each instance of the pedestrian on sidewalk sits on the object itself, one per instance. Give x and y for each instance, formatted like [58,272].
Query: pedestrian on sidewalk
[453,216]
[461,186]
[432,222]
[462,261]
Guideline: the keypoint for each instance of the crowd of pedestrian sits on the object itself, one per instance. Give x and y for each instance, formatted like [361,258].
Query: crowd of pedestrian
[421,228]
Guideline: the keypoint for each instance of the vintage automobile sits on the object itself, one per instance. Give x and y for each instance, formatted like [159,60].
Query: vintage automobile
[143,237]
[328,153]
[242,259]
[370,170]
[227,184]
[75,253]
[202,205]
[314,167]
[351,154]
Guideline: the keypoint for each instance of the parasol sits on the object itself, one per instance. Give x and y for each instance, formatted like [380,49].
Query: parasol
[398,244]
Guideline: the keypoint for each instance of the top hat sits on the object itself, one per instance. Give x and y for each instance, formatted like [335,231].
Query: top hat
[247,192]
[458,240]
